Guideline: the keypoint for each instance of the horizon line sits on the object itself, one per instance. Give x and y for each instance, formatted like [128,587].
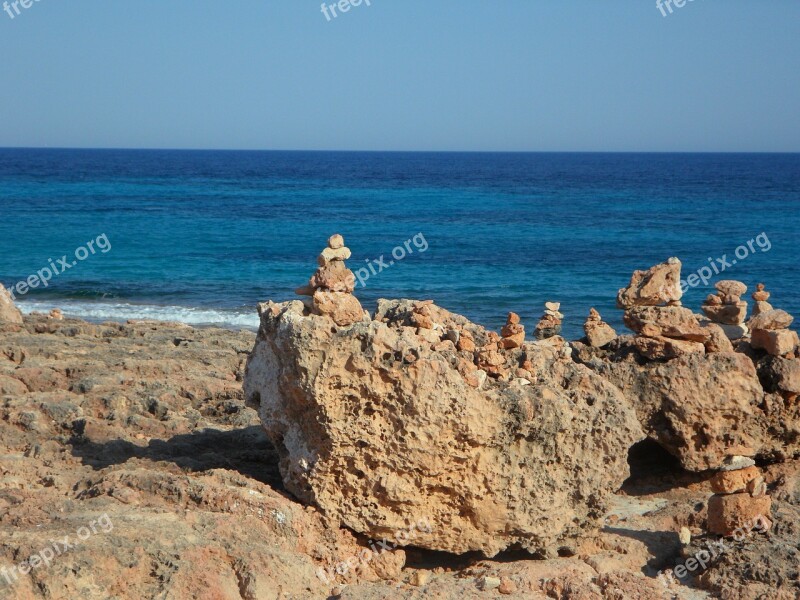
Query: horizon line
[170,149]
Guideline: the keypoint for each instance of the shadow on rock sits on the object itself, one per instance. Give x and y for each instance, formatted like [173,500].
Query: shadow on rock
[662,545]
[247,451]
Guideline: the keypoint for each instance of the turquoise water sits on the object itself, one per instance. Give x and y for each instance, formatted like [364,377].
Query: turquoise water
[202,236]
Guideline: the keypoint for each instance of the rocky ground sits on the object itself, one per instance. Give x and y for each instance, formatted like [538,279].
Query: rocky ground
[131,468]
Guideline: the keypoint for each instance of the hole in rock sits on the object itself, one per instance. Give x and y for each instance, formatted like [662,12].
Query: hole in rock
[653,469]
[420,558]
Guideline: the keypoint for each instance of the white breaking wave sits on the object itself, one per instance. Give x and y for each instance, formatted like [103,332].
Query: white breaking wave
[113,311]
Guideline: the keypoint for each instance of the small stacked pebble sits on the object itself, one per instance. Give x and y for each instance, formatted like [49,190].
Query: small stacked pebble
[550,323]
[598,332]
[513,333]
[331,287]
[727,309]
[760,296]
[740,498]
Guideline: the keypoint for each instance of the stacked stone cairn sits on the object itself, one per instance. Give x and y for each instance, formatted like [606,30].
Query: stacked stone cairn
[760,296]
[598,333]
[331,287]
[422,317]
[550,323]
[513,332]
[664,328]
[490,359]
[740,502]
[727,309]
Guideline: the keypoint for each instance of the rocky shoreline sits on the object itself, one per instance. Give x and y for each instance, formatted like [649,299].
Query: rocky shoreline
[345,454]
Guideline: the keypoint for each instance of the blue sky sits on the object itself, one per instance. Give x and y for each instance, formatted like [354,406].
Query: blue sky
[548,75]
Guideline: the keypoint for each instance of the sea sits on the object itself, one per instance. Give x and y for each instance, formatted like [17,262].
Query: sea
[203,236]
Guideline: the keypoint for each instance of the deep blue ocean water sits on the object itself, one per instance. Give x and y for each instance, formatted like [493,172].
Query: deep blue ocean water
[203,236]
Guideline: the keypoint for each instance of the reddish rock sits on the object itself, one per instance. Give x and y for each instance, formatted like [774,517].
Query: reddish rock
[776,343]
[335,276]
[466,342]
[718,340]
[666,321]
[513,332]
[730,482]
[662,348]
[507,587]
[729,287]
[760,295]
[728,314]
[761,307]
[598,333]
[771,320]
[733,514]
[658,285]
[344,309]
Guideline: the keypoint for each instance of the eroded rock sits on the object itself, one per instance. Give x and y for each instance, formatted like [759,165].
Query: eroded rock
[378,429]
[656,286]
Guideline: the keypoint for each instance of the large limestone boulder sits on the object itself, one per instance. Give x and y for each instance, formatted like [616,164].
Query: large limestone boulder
[385,422]
[8,312]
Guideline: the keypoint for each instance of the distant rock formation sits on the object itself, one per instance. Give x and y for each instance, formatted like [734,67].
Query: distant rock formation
[550,323]
[8,312]
[727,309]
[693,393]
[598,333]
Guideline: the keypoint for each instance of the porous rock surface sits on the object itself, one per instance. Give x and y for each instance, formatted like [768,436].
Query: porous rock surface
[378,425]
[8,312]
[705,407]
[143,427]
[145,422]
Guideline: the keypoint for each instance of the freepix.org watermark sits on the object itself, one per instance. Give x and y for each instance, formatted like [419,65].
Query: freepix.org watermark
[45,556]
[713,549]
[717,266]
[342,6]
[43,276]
[375,266]
[666,5]
[12,8]
[363,558]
